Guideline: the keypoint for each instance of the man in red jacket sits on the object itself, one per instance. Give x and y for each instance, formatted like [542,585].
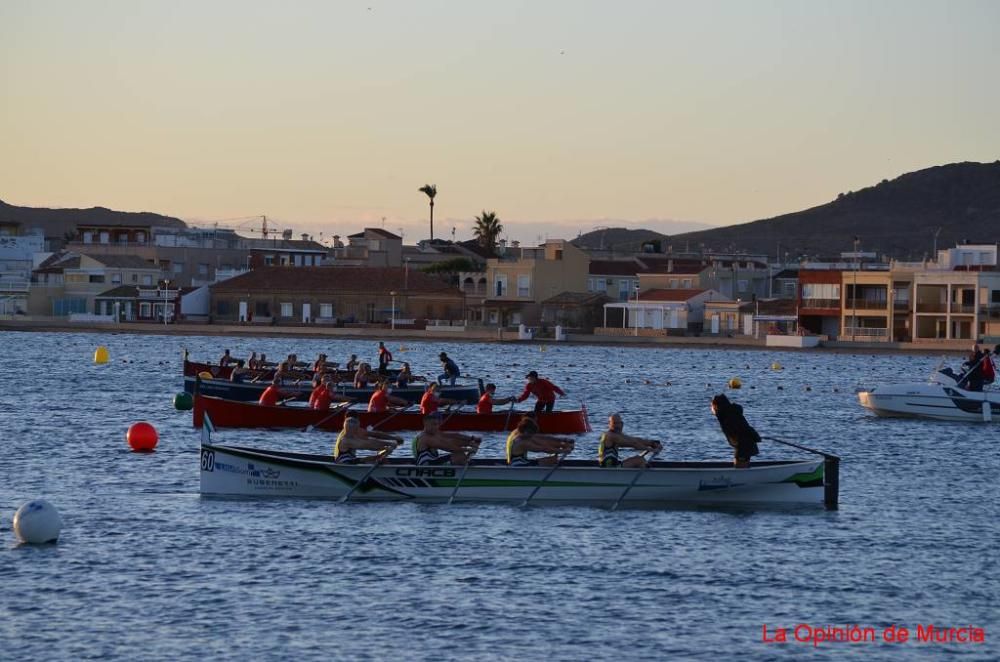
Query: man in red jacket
[544,390]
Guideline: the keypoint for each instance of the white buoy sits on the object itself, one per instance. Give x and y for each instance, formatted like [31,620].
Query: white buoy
[37,522]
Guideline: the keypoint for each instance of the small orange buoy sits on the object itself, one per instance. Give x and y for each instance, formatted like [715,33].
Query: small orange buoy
[142,436]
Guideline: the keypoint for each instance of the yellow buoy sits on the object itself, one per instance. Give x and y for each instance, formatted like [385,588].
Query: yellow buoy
[101,355]
[735,382]
[776,366]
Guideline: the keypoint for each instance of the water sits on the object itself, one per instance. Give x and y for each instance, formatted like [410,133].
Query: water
[146,568]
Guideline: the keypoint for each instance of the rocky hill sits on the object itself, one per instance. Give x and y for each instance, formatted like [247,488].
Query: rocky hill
[617,239]
[57,222]
[899,218]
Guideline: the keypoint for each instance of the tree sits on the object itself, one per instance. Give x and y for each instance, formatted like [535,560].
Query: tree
[487,230]
[431,191]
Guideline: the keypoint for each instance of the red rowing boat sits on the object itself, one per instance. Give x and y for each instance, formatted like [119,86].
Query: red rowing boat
[234,414]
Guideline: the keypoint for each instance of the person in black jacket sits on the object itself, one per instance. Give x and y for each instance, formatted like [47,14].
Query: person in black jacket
[740,434]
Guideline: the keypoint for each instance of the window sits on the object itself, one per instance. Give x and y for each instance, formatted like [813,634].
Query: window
[286,310]
[269,260]
[524,285]
[685,283]
[673,283]
[223,307]
[116,278]
[500,285]
[177,267]
[88,237]
[326,310]
[135,278]
[284,260]
[145,311]
[742,285]
[559,253]
[788,288]
[96,278]
[147,279]
[995,296]
[202,269]
[105,237]
[140,237]
[261,309]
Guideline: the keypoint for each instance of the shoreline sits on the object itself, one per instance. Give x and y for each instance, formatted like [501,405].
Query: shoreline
[726,343]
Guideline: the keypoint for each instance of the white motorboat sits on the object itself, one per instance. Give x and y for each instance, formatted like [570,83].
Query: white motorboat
[941,397]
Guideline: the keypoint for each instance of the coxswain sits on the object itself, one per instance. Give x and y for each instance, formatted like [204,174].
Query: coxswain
[451,370]
[525,439]
[226,359]
[353,438]
[488,399]
[544,390]
[740,434]
[384,358]
[431,441]
[613,439]
[352,363]
[272,394]
[381,400]
[431,401]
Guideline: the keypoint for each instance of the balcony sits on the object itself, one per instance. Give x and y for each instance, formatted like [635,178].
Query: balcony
[963,309]
[923,307]
[865,333]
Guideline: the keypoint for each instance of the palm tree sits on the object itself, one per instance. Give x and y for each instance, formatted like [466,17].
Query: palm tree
[431,190]
[487,230]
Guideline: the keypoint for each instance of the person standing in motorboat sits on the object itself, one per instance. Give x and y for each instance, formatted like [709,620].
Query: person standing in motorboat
[972,370]
[740,434]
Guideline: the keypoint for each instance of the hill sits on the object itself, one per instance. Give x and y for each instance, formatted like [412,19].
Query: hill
[898,218]
[617,239]
[57,222]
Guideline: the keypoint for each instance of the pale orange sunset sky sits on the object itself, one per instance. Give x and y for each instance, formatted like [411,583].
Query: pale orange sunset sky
[558,115]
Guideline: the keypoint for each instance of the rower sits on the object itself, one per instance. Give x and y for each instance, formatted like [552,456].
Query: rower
[544,390]
[740,434]
[319,365]
[226,359]
[381,400]
[613,439]
[239,373]
[429,443]
[363,375]
[352,363]
[487,400]
[273,393]
[317,387]
[252,361]
[326,394]
[525,439]
[431,402]
[353,438]
[451,370]
[262,363]
[405,376]
[384,358]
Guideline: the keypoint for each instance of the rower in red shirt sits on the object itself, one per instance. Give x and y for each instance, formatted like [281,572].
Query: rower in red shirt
[431,402]
[487,400]
[381,400]
[326,393]
[544,390]
[273,393]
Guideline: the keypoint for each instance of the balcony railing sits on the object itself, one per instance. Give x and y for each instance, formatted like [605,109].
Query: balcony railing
[821,303]
[931,307]
[865,332]
[866,304]
[963,308]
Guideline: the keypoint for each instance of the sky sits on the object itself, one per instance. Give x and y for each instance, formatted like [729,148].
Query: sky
[559,116]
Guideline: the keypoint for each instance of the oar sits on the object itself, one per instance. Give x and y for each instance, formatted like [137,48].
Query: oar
[635,480]
[509,412]
[539,486]
[461,476]
[383,455]
[451,413]
[389,418]
[339,409]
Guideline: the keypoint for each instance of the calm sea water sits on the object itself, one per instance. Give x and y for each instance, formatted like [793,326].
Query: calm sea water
[146,569]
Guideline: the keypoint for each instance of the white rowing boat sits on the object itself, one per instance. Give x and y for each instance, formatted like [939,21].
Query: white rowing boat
[940,398]
[248,472]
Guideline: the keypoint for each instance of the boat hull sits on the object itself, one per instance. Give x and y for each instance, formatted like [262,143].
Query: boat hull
[245,472]
[251,391]
[194,368]
[933,401]
[235,414]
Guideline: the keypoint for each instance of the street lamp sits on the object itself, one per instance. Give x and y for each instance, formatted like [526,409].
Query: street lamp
[406,275]
[637,310]
[166,289]
[393,313]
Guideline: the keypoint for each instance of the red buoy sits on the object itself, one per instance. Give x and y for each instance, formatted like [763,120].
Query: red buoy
[142,436]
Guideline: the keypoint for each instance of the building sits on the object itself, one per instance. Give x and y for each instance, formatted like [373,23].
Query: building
[618,280]
[520,280]
[658,313]
[133,303]
[334,295]
[737,277]
[819,299]
[68,282]
[17,251]
[577,310]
